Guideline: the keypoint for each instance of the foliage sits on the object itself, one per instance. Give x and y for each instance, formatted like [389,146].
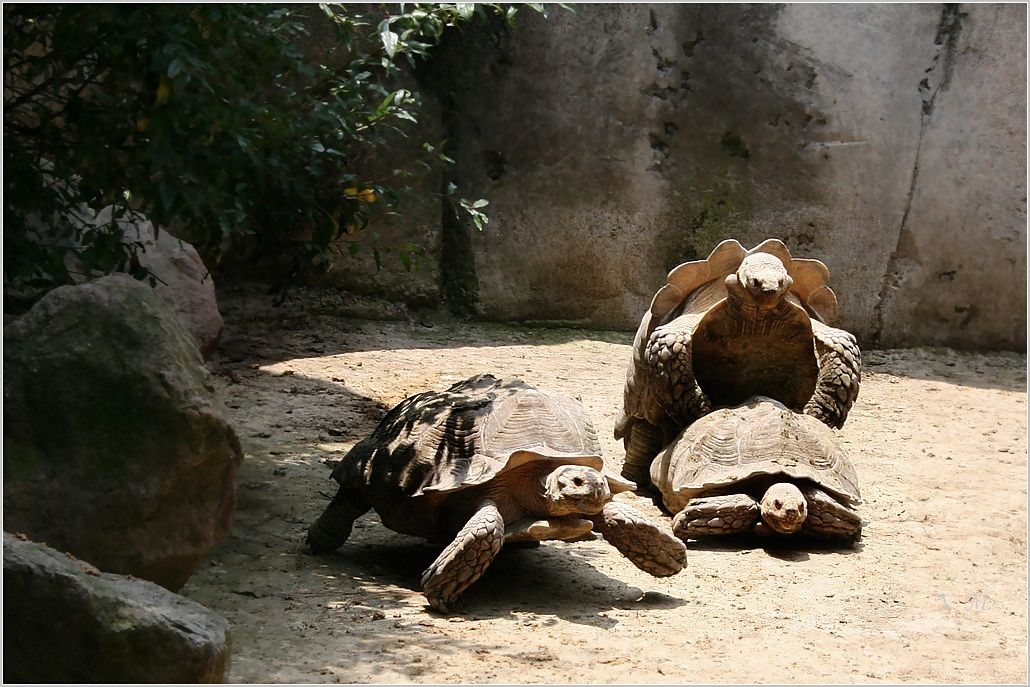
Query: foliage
[210,120]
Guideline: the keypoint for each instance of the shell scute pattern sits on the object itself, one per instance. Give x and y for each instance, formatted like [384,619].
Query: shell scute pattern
[534,420]
[763,437]
[445,441]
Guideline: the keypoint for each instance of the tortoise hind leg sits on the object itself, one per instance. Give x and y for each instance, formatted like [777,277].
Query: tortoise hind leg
[716,515]
[830,519]
[643,443]
[465,559]
[333,527]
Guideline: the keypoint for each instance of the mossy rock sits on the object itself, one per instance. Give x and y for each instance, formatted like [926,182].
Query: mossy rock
[115,448]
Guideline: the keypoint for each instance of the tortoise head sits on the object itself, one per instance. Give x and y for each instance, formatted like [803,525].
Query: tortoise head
[575,489]
[784,508]
[760,283]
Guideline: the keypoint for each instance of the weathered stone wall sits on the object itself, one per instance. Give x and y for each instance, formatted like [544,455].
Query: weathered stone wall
[613,143]
[887,140]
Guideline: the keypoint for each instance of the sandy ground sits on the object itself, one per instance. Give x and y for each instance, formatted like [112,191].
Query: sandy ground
[935,592]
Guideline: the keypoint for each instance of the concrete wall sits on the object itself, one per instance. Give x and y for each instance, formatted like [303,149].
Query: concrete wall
[614,143]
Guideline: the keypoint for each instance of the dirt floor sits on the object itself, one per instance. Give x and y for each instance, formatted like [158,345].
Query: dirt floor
[935,592]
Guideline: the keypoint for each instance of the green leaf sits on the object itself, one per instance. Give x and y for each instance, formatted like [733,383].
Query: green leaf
[175,68]
[390,40]
[383,106]
[466,9]
[481,203]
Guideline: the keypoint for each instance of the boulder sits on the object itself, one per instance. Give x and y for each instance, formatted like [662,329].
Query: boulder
[66,621]
[182,279]
[179,273]
[115,448]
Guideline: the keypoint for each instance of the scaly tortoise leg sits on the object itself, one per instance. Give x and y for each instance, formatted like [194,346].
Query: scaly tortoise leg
[829,518]
[333,527]
[670,356]
[642,445]
[641,540]
[465,559]
[840,374]
[716,515]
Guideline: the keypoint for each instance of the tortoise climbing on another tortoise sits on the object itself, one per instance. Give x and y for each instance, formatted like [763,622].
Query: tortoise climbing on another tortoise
[485,462]
[739,324]
[759,467]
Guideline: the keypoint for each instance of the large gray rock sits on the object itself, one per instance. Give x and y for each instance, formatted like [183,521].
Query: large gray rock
[65,621]
[888,141]
[115,448]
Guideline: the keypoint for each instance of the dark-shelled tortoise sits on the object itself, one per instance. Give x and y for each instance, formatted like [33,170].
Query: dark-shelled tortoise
[759,467]
[739,324]
[488,461]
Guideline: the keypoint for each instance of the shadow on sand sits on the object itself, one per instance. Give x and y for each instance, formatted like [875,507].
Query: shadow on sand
[552,580]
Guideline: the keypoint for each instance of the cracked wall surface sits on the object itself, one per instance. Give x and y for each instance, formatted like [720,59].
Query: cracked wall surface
[888,141]
[960,273]
[614,143]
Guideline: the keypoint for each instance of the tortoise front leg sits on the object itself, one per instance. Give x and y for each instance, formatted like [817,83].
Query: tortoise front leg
[670,355]
[840,373]
[716,515]
[465,559]
[333,527]
[641,540]
[829,518]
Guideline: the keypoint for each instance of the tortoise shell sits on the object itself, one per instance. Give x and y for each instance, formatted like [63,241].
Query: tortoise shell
[810,278]
[436,447]
[761,438]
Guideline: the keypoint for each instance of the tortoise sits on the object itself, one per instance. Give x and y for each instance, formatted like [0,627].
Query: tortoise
[739,324]
[759,467]
[488,461]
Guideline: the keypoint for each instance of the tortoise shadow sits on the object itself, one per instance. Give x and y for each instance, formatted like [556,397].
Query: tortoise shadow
[523,584]
[792,549]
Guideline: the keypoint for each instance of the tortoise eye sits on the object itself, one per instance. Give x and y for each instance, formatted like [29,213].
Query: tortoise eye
[778,503]
[578,481]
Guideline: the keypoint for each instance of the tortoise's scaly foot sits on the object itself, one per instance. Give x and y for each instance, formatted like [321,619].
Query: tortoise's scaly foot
[830,519]
[641,540]
[465,559]
[716,515]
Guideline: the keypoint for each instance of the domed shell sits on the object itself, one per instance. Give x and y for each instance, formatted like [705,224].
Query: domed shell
[810,278]
[447,441]
[760,437]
